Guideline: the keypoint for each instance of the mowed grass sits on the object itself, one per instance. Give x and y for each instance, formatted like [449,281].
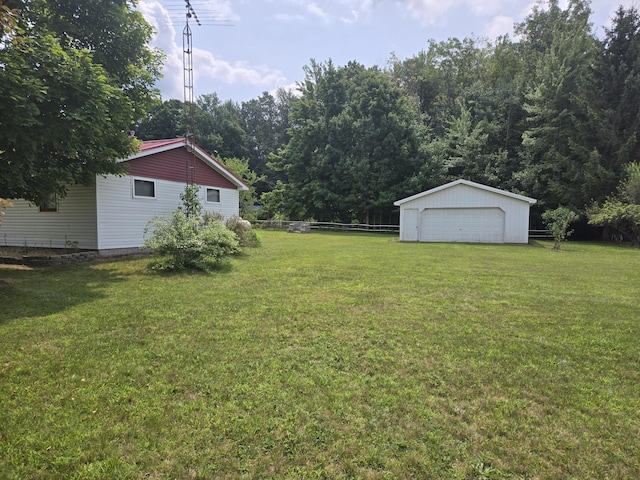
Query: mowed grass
[327,356]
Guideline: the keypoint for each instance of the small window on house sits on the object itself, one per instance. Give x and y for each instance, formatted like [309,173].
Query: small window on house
[50,204]
[213,195]
[144,188]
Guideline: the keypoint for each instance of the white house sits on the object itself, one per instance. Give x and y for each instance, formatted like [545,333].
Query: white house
[464,211]
[111,214]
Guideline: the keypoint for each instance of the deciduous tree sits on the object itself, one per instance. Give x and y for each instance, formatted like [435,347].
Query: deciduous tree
[621,212]
[73,80]
[354,145]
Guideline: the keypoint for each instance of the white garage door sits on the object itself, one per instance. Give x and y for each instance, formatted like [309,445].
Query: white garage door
[481,225]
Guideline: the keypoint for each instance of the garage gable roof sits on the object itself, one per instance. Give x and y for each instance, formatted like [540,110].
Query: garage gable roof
[469,183]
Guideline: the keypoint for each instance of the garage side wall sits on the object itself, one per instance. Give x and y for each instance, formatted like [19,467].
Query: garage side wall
[516,212]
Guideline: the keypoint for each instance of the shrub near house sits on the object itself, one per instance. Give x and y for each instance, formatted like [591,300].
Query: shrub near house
[186,239]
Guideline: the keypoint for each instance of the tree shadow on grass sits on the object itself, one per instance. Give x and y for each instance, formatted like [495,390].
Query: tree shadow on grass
[28,292]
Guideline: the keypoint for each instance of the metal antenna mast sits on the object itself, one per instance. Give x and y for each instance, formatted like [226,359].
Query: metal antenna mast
[189,105]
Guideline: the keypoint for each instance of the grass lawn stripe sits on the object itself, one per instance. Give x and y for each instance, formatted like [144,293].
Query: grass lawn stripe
[327,356]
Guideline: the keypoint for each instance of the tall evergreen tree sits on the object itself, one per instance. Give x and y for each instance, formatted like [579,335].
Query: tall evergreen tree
[616,103]
[560,168]
[265,121]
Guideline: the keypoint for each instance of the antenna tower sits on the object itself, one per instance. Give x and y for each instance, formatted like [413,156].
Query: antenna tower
[189,105]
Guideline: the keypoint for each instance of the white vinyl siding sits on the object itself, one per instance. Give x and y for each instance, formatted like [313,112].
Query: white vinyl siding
[122,219]
[103,216]
[74,221]
[465,213]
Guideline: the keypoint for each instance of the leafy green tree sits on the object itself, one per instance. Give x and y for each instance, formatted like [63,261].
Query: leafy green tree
[74,76]
[621,212]
[164,120]
[7,19]
[558,222]
[465,151]
[629,188]
[275,203]
[191,205]
[354,146]
[219,127]
[624,217]
[248,198]
[441,77]
[470,96]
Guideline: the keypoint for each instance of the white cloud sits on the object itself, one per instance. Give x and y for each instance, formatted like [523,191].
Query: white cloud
[345,11]
[430,10]
[208,69]
[288,17]
[291,87]
[486,7]
[231,73]
[499,25]
[318,12]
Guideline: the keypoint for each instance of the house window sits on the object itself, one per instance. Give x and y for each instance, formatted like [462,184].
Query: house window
[144,189]
[50,204]
[213,195]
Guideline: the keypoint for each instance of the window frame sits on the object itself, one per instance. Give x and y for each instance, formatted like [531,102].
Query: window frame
[49,205]
[206,195]
[145,197]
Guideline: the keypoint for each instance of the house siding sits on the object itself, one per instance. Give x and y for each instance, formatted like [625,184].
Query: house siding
[24,224]
[106,215]
[122,219]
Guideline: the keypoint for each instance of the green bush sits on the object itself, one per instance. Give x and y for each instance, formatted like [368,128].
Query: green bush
[247,236]
[208,217]
[558,222]
[181,242]
[621,212]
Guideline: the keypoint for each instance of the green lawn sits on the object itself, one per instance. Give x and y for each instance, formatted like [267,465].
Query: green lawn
[327,356]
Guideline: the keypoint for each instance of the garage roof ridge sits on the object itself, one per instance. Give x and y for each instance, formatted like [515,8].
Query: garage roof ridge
[469,183]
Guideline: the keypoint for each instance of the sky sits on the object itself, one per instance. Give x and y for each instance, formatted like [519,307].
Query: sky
[243,48]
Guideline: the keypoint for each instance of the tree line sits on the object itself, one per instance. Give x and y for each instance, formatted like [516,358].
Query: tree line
[551,111]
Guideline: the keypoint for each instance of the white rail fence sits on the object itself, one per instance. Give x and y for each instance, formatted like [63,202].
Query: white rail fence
[328,226]
[354,227]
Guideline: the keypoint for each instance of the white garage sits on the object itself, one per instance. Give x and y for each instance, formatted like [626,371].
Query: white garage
[464,211]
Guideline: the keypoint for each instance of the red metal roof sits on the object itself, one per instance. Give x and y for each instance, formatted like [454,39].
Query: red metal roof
[149,144]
